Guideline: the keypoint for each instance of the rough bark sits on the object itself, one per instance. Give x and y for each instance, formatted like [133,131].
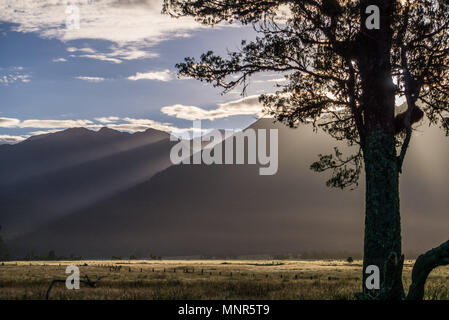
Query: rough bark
[382,246]
[423,266]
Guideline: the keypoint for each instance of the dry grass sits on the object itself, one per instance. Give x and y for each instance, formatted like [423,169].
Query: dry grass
[206,279]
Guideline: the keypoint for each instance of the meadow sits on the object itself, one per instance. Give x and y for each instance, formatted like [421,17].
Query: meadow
[200,279]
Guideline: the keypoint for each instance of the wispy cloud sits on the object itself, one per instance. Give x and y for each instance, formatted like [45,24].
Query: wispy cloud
[100,57]
[115,54]
[7,139]
[59,60]
[90,79]
[135,125]
[9,122]
[35,123]
[107,120]
[246,106]
[13,74]
[54,124]
[164,75]
[86,50]
[271,80]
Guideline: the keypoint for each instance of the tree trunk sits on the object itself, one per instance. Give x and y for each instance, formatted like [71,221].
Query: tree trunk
[382,221]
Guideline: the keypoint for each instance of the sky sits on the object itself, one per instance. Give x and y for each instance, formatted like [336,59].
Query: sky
[96,63]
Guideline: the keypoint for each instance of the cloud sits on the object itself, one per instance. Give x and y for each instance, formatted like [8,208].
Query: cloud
[59,60]
[107,119]
[13,74]
[164,75]
[9,122]
[45,124]
[115,54]
[90,79]
[246,106]
[53,124]
[271,80]
[7,139]
[133,125]
[100,57]
[86,50]
[130,53]
[134,26]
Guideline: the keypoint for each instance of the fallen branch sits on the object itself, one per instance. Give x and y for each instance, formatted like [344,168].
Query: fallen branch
[423,266]
[89,282]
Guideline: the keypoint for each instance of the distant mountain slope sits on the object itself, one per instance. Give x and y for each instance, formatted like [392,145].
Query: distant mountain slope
[231,209]
[47,177]
[51,152]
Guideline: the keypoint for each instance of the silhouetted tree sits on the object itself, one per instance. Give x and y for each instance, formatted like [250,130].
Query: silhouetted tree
[4,255]
[52,255]
[343,76]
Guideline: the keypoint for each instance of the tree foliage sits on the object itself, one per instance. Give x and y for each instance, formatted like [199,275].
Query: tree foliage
[318,48]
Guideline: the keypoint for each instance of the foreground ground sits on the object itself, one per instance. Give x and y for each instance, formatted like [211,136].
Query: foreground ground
[195,279]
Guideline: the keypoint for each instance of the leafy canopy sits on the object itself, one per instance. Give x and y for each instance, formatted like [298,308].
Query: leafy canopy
[318,47]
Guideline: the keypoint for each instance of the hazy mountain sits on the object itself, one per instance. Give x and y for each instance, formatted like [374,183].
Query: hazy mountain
[231,209]
[49,176]
[51,152]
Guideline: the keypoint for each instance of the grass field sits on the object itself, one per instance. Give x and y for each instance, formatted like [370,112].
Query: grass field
[200,279]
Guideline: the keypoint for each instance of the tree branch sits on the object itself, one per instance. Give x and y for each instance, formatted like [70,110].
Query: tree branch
[423,266]
[404,148]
